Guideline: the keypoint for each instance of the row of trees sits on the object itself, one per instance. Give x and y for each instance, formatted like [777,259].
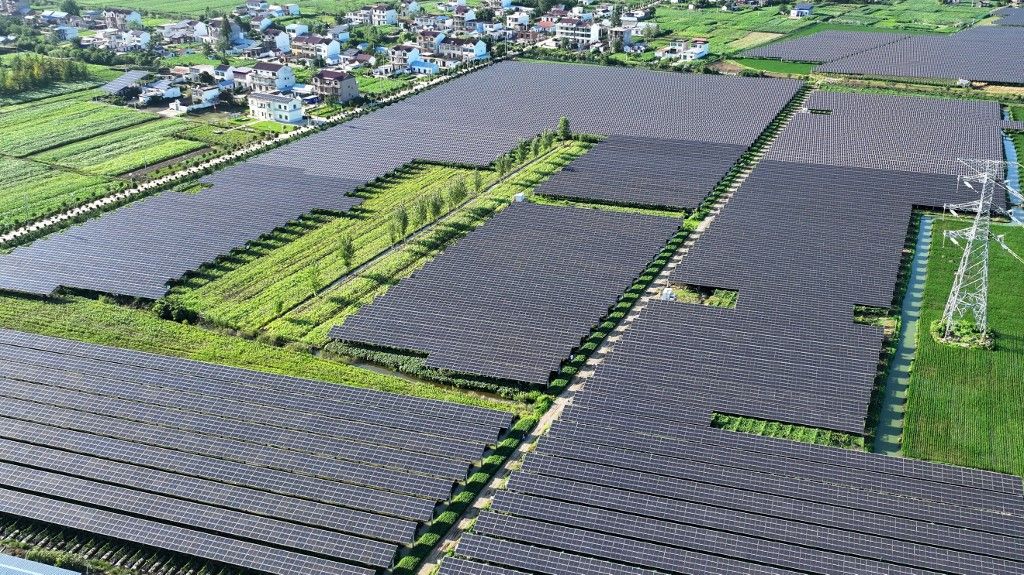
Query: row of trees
[28,71]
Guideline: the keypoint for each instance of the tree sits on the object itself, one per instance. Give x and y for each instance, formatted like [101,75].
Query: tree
[224,44]
[564,131]
[617,16]
[617,45]
[435,206]
[478,182]
[401,220]
[313,278]
[535,148]
[458,193]
[71,7]
[421,211]
[347,250]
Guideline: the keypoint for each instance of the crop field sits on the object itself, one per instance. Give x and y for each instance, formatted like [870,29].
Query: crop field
[371,86]
[125,150]
[253,294]
[311,322]
[922,15]
[31,190]
[754,39]
[727,31]
[221,136]
[28,129]
[965,405]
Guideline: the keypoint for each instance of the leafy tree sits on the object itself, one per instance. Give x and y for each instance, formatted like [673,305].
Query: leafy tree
[617,45]
[458,193]
[478,182]
[421,211]
[535,148]
[617,15]
[71,7]
[313,278]
[564,131]
[401,220]
[346,249]
[224,44]
[436,206]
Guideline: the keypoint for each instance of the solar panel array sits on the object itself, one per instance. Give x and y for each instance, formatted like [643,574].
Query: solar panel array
[515,297]
[124,80]
[632,479]
[610,492]
[824,46]
[1010,16]
[470,120]
[982,53]
[645,171]
[263,472]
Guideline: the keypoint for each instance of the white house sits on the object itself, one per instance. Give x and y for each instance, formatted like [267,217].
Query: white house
[801,10]
[295,29]
[292,9]
[410,7]
[271,77]
[214,27]
[121,19]
[279,39]
[403,55]
[430,40]
[339,32]
[276,107]
[224,73]
[313,47]
[578,31]
[685,50]
[65,32]
[383,15]
[517,19]
[463,49]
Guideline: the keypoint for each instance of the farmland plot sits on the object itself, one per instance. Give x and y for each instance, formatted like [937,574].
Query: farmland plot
[727,32]
[31,190]
[34,128]
[125,150]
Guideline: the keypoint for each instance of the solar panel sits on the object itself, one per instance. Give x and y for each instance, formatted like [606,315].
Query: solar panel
[237,467]
[124,80]
[1010,16]
[824,46]
[136,250]
[513,298]
[981,53]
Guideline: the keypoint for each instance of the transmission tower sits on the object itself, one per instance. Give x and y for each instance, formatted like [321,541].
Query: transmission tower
[969,297]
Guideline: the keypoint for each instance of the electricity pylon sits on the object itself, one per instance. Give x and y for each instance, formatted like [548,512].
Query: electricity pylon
[969,297]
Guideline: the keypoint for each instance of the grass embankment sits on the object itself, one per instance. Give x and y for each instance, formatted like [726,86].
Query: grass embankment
[106,323]
[311,322]
[257,284]
[965,405]
[776,66]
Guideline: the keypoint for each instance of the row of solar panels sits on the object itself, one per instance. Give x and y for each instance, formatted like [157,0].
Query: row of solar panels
[252,470]
[982,53]
[633,480]
[471,120]
[512,299]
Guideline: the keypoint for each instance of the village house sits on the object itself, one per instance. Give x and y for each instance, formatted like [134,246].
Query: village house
[402,55]
[463,49]
[270,77]
[335,86]
[430,40]
[275,107]
[383,15]
[295,29]
[312,47]
[801,10]
[280,40]
[577,31]
[215,31]
[685,50]
[121,19]
[462,16]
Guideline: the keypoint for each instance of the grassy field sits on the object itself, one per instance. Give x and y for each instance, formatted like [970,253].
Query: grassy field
[727,32]
[312,321]
[31,190]
[371,86]
[39,126]
[125,150]
[109,324]
[776,66]
[964,405]
[271,281]
[921,15]
[98,75]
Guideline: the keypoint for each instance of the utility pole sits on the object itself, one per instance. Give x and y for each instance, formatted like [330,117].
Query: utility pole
[968,300]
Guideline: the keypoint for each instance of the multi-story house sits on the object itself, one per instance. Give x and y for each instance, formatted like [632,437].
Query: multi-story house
[383,15]
[276,107]
[463,49]
[313,47]
[577,31]
[121,19]
[403,55]
[271,77]
[335,85]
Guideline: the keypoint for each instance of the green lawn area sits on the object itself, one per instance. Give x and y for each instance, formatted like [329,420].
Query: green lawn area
[272,281]
[965,406]
[99,75]
[311,321]
[272,127]
[1017,113]
[109,324]
[776,66]
[372,86]
[921,15]
[726,31]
